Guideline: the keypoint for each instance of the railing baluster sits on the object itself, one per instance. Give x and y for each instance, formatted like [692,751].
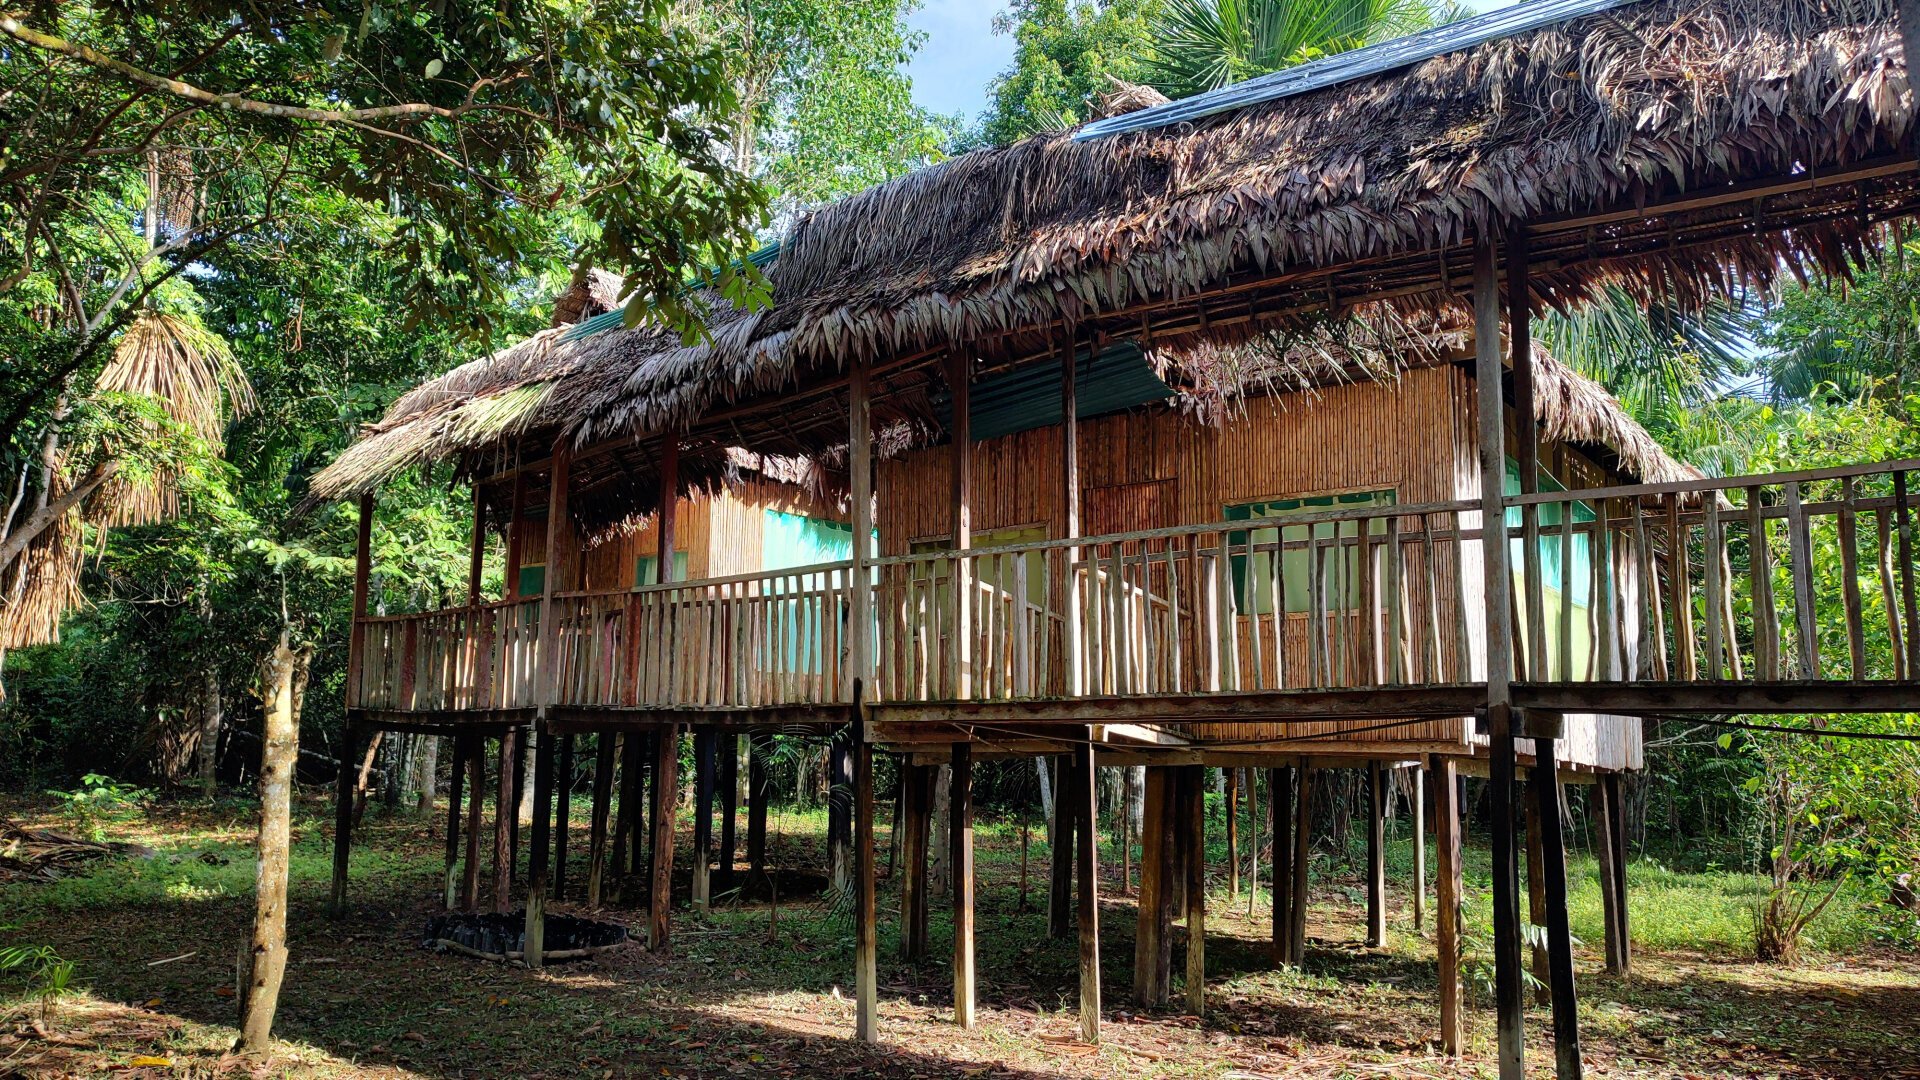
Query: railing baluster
[1889,599]
[1710,503]
[1850,581]
[1766,615]
[1800,551]
[1908,605]
[1680,581]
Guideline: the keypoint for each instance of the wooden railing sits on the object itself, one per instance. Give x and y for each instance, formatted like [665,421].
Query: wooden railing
[1805,576]
[1782,577]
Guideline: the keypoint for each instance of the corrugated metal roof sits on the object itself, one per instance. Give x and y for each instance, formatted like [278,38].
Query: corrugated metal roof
[1359,63]
[1029,397]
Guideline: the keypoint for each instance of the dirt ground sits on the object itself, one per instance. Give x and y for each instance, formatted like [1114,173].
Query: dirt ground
[751,991]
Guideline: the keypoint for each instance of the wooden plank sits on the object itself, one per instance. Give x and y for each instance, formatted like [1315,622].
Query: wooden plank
[1195,819]
[1800,552]
[866,898]
[1849,529]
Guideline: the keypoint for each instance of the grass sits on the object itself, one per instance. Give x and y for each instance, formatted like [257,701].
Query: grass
[739,995]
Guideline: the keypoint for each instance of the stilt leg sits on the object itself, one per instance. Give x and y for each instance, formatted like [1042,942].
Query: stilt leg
[562,810]
[1509,1018]
[915,797]
[1195,794]
[1146,937]
[343,820]
[867,942]
[1545,783]
[1617,817]
[1446,919]
[1536,899]
[1302,851]
[729,784]
[1060,843]
[758,747]
[537,868]
[960,835]
[597,818]
[456,789]
[1173,872]
[839,817]
[1280,784]
[1087,818]
[666,791]
[503,825]
[703,748]
[476,765]
[1376,855]
[1419,816]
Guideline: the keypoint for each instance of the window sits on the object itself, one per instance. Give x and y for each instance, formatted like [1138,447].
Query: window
[990,570]
[645,566]
[1295,582]
[789,540]
[1555,594]
[533,580]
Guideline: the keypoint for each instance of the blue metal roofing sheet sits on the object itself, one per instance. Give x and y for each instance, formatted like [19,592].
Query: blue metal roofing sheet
[1029,397]
[1359,63]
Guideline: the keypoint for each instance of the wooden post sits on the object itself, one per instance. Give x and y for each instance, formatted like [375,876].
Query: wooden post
[1419,816]
[703,740]
[1146,938]
[759,745]
[362,572]
[959,644]
[1280,795]
[1498,588]
[516,536]
[597,819]
[666,793]
[916,804]
[866,901]
[629,854]
[1302,858]
[1536,897]
[562,810]
[1614,874]
[1060,841]
[455,789]
[475,762]
[1376,855]
[1070,517]
[503,822]
[343,798]
[537,868]
[1086,815]
[729,785]
[840,808]
[1173,875]
[960,836]
[522,748]
[1447,886]
[1194,792]
[1233,828]
[1545,783]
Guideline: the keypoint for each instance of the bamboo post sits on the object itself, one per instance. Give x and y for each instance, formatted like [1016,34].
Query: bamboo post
[960,463]
[1498,582]
[1447,890]
[960,836]
[1070,514]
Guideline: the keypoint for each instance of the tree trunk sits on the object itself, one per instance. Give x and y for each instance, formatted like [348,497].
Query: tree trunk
[208,752]
[938,875]
[426,769]
[283,678]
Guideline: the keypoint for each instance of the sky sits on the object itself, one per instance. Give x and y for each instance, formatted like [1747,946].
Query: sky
[962,53]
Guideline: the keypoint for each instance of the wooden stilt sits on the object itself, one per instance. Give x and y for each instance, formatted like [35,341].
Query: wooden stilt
[1195,793]
[1419,816]
[503,823]
[1509,1015]
[597,818]
[537,864]
[1146,936]
[839,812]
[1173,872]
[456,788]
[666,792]
[1536,900]
[960,835]
[343,797]
[1447,886]
[866,907]
[729,784]
[915,804]
[626,830]
[1087,856]
[1621,960]
[703,748]
[1302,852]
[644,756]
[475,763]
[1060,838]
[1280,783]
[758,747]
[1233,832]
[1545,784]
[562,810]
[523,740]
[1376,855]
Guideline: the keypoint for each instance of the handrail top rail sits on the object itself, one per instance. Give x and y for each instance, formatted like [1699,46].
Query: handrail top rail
[1713,483]
[484,605]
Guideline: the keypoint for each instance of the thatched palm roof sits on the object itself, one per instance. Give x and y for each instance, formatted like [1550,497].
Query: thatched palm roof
[1600,135]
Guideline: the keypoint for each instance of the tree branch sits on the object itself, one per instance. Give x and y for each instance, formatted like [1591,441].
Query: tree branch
[13,28]
[43,518]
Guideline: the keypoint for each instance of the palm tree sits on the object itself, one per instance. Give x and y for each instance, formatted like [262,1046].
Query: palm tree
[1203,45]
